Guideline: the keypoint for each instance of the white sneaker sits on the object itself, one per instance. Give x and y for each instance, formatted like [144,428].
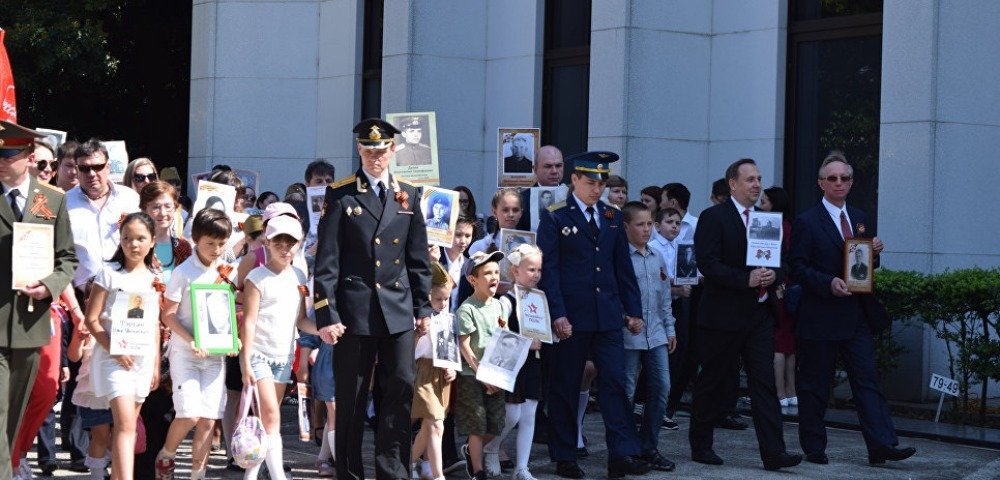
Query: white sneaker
[491,463]
[523,474]
[793,401]
[783,402]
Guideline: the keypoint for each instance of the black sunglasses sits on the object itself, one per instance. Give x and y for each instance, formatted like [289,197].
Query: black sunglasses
[91,168]
[43,164]
[843,178]
[149,177]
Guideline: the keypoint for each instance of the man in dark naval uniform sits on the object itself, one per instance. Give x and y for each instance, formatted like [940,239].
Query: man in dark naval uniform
[412,152]
[372,280]
[592,293]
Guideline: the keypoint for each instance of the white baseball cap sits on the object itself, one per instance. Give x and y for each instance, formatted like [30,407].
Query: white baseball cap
[283,225]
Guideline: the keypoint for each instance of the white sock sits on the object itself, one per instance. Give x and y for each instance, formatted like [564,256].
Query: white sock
[275,464]
[584,400]
[324,448]
[525,433]
[331,437]
[98,467]
[199,474]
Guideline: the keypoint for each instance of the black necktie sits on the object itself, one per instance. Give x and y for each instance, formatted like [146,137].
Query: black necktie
[593,221]
[13,194]
[381,192]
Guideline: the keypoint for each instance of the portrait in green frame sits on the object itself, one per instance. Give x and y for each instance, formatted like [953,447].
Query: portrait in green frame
[213,311]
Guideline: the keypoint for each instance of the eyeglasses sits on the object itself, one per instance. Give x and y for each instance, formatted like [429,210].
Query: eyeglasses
[43,164]
[843,178]
[91,168]
[139,178]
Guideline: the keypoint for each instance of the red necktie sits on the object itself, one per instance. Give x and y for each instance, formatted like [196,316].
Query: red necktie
[845,227]
[746,214]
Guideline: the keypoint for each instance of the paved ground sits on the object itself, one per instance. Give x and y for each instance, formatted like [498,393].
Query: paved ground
[934,460]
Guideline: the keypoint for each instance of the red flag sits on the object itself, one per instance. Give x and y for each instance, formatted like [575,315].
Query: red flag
[8,104]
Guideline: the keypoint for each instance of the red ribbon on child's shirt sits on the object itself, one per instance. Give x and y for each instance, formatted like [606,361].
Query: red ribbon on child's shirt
[225,270]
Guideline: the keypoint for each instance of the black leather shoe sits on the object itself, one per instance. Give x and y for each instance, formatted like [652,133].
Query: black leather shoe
[782,460]
[569,470]
[48,467]
[582,452]
[708,457]
[627,465]
[881,454]
[818,457]
[732,422]
[658,463]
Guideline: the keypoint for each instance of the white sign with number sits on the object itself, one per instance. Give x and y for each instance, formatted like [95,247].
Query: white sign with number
[944,385]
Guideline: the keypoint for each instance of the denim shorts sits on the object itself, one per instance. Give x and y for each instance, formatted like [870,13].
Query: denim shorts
[278,372]
[94,418]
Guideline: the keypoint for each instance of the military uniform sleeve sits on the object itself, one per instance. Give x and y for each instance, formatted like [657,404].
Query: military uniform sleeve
[628,286]
[548,242]
[327,264]
[418,263]
[65,253]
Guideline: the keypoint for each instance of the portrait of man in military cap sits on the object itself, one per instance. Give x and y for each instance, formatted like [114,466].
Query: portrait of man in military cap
[412,150]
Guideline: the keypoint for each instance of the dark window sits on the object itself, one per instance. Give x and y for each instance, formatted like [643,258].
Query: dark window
[371,65]
[834,89]
[566,75]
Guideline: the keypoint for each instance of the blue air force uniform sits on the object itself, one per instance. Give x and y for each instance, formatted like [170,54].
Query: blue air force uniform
[589,280]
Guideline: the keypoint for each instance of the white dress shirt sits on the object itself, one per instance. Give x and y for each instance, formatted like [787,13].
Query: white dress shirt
[583,208]
[22,190]
[688,224]
[373,182]
[95,230]
[834,212]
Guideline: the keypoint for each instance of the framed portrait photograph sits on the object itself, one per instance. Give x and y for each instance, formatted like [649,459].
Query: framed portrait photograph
[440,207]
[516,149]
[859,258]
[509,240]
[444,342]
[416,157]
[503,358]
[315,197]
[764,239]
[213,308]
[214,195]
[686,267]
[533,314]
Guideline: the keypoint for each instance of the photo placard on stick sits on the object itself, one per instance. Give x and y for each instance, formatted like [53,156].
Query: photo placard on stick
[516,149]
[859,258]
[541,198]
[533,314]
[440,207]
[213,307]
[416,157]
[764,239]
[509,240]
[214,195]
[135,318]
[503,358]
[444,342]
[686,266]
[117,159]
[54,137]
[315,197]
[32,255]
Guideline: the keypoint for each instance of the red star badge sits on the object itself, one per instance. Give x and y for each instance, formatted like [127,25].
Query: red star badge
[533,308]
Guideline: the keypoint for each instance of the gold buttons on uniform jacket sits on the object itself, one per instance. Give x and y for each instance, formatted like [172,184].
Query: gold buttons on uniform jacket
[598,269]
[378,285]
[397,284]
[598,289]
[378,241]
[378,263]
[396,261]
[597,249]
[395,241]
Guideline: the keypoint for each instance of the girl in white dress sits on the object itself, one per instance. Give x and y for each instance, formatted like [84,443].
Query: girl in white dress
[125,380]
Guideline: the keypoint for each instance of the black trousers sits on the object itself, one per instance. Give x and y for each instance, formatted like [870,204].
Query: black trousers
[46,446]
[352,369]
[683,365]
[718,354]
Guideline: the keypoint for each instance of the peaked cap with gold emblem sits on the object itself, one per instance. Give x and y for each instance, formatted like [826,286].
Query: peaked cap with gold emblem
[375,133]
[596,165]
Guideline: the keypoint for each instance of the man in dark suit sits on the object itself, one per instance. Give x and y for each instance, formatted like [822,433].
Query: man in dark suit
[24,313]
[591,287]
[518,161]
[832,320]
[735,320]
[372,280]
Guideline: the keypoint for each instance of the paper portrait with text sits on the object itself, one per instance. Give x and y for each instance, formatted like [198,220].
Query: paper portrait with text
[516,149]
[32,255]
[533,314]
[416,157]
[440,208]
[764,239]
[444,342]
[135,319]
[541,198]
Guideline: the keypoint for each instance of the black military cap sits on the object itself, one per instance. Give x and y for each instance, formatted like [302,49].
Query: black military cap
[15,138]
[596,165]
[375,133]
